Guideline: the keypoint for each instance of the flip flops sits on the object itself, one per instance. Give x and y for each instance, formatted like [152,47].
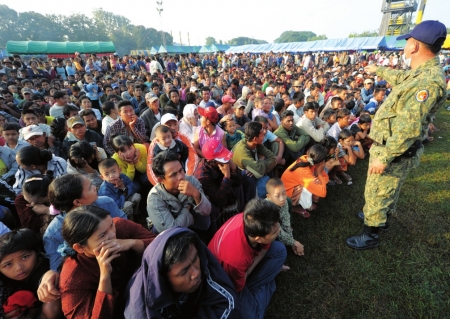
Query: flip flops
[301,211]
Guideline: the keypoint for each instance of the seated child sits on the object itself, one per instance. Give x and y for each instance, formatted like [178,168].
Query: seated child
[164,141]
[10,132]
[342,121]
[118,187]
[30,117]
[332,163]
[360,130]
[70,111]
[132,159]
[232,135]
[349,150]
[329,116]
[276,193]
[86,103]
[306,180]
[20,249]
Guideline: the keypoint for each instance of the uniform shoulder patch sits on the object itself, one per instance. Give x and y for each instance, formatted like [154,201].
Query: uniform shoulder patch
[422,96]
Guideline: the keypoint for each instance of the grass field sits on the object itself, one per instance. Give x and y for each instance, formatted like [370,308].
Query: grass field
[408,276]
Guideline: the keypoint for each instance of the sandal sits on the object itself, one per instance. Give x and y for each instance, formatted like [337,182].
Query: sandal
[303,212]
[337,181]
[331,183]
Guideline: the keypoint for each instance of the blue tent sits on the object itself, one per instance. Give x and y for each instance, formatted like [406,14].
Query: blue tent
[345,44]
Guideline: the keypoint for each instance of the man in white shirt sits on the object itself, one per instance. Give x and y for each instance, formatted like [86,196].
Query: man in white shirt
[155,65]
[311,124]
[298,101]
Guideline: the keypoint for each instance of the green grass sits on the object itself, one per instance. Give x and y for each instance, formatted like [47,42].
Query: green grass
[408,276]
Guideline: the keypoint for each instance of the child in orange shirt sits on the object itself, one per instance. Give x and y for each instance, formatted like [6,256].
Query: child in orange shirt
[306,180]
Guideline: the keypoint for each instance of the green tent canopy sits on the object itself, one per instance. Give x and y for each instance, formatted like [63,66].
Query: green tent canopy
[48,47]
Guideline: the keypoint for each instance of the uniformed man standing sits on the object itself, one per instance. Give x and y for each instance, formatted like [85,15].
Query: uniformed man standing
[397,128]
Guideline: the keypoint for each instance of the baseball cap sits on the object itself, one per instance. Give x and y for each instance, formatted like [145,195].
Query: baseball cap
[150,96]
[431,32]
[228,99]
[214,150]
[239,104]
[210,103]
[26,91]
[114,86]
[368,81]
[193,89]
[210,113]
[74,120]
[36,97]
[168,117]
[31,130]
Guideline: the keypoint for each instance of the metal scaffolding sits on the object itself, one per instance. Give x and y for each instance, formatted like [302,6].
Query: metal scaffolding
[397,16]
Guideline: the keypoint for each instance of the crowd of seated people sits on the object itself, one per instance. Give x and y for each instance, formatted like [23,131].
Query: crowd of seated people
[165,187]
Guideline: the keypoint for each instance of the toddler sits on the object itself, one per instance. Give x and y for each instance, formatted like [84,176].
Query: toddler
[164,141]
[232,135]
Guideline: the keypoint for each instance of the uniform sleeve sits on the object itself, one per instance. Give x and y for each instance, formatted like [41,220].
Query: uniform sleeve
[394,77]
[406,125]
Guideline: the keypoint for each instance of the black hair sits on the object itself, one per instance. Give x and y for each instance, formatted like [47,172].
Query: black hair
[345,134]
[58,128]
[84,97]
[260,119]
[124,103]
[87,112]
[81,223]
[107,163]
[279,105]
[206,88]
[161,159]
[350,104]
[107,107]
[168,109]
[29,111]
[298,97]
[31,155]
[177,248]
[328,113]
[317,153]
[253,130]
[286,114]
[259,217]
[309,106]
[118,142]
[64,190]
[329,143]
[8,126]
[37,185]
[272,183]
[336,98]
[364,118]
[378,90]
[59,94]
[341,113]
[174,91]
[84,150]
[27,105]
[69,108]
[18,240]
[162,129]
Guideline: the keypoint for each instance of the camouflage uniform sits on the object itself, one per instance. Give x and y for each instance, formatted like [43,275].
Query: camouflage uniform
[398,123]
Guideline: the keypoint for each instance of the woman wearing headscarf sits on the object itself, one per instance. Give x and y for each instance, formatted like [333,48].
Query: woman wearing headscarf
[189,121]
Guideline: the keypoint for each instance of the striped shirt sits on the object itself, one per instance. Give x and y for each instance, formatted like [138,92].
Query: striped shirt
[118,126]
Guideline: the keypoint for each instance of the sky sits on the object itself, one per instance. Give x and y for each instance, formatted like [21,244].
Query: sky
[225,20]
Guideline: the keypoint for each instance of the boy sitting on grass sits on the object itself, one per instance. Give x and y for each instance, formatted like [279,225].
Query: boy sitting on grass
[276,193]
[360,130]
[118,187]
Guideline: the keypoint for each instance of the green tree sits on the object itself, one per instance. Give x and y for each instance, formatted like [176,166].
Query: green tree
[373,33]
[319,37]
[8,27]
[210,40]
[245,40]
[295,36]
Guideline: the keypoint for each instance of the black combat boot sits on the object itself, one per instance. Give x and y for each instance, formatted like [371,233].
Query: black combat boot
[366,240]
[360,216]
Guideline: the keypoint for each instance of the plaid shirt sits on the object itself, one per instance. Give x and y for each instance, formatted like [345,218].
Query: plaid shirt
[118,126]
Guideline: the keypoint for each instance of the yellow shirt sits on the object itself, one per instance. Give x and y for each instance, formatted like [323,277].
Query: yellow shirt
[49,119]
[130,169]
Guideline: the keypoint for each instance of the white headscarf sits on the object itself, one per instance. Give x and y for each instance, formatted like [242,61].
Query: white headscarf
[188,111]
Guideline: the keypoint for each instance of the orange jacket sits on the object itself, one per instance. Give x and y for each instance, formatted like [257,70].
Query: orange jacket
[304,176]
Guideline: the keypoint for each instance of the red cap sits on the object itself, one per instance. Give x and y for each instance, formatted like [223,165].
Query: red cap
[228,99]
[210,113]
[214,150]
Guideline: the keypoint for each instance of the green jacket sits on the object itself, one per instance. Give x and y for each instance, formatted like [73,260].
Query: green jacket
[399,120]
[295,139]
[244,159]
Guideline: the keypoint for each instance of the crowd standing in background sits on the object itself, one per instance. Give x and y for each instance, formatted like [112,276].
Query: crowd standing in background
[164,186]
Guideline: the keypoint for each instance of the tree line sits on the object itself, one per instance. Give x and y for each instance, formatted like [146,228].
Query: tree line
[104,26]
